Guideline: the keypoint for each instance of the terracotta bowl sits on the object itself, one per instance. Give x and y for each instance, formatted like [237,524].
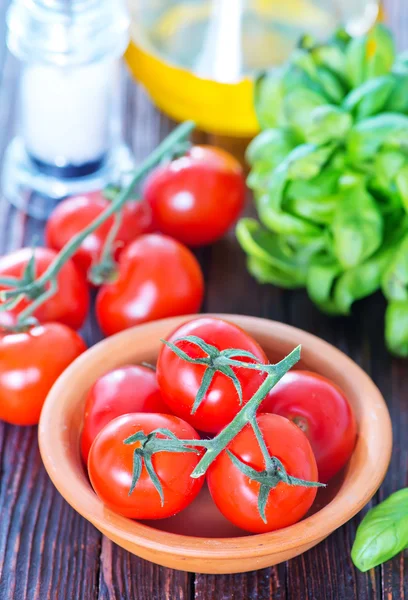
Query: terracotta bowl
[199,539]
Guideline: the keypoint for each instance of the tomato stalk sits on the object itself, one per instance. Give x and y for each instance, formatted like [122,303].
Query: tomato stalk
[104,269]
[223,361]
[38,289]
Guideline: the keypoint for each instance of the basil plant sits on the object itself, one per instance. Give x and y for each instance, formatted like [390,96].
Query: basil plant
[329,173]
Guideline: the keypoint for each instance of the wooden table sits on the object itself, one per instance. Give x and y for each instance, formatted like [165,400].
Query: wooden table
[47,551]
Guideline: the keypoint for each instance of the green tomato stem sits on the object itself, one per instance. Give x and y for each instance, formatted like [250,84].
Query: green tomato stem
[245,415]
[172,140]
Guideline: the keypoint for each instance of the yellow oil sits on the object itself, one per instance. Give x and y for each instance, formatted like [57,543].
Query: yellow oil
[197,58]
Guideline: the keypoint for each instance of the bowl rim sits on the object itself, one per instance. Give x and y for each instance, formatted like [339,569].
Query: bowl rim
[306,532]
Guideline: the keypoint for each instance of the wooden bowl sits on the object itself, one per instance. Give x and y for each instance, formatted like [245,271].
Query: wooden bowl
[199,539]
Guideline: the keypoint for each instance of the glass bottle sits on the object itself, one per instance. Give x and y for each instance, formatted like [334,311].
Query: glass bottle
[197,58]
[68,129]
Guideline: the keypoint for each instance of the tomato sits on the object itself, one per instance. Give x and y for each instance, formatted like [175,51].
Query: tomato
[110,467]
[196,198]
[236,495]
[30,363]
[129,389]
[180,380]
[75,213]
[69,305]
[158,277]
[321,410]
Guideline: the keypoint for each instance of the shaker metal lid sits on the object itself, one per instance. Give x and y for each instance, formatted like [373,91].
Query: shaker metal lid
[67,32]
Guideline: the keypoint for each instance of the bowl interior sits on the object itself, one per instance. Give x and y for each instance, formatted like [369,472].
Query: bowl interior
[61,423]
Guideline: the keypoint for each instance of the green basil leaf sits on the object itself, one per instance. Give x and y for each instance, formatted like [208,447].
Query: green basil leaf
[321,278]
[331,85]
[283,222]
[359,282]
[298,105]
[357,227]
[265,272]
[331,58]
[327,123]
[274,259]
[370,56]
[270,147]
[268,98]
[370,97]
[402,186]
[315,199]
[383,532]
[396,328]
[368,136]
[398,101]
[306,161]
[395,277]
[335,291]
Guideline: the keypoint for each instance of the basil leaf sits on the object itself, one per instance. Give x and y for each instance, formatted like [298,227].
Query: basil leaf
[307,160]
[396,327]
[395,277]
[332,58]
[398,101]
[331,85]
[315,199]
[370,56]
[268,98]
[271,259]
[320,282]
[357,227]
[383,532]
[402,186]
[283,222]
[335,290]
[368,136]
[298,106]
[270,147]
[327,123]
[369,98]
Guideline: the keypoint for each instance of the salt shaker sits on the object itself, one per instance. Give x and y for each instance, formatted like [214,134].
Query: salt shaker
[68,130]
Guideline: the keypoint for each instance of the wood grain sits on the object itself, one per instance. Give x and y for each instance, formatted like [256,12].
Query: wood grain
[49,552]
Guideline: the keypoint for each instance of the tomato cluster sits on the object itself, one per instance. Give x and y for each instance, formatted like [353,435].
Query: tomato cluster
[146,432]
[144,275]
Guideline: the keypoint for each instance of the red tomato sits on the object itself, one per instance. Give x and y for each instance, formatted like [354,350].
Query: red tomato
[130,389]
[30,363]
[158,277]
[110,467]
[74,214]
[179,380]
[237,496]
[321,410]
[69,305]
[196,198]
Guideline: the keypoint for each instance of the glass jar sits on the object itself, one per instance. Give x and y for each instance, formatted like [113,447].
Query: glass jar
[68,128]
[197,58]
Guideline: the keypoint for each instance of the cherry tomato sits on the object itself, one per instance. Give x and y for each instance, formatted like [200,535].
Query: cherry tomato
[75,213]
[321,410]
[236,495]
[179,380]
[110,467]
[158,277]
[30,363]
[125,390]
[196,198]
[69,305]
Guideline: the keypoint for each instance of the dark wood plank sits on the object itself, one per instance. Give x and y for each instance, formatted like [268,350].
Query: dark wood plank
[124,576]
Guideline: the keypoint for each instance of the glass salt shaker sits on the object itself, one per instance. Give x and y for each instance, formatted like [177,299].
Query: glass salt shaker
[68,137]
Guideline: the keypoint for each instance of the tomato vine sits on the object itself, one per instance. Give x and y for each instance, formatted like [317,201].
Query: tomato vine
[42,288]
